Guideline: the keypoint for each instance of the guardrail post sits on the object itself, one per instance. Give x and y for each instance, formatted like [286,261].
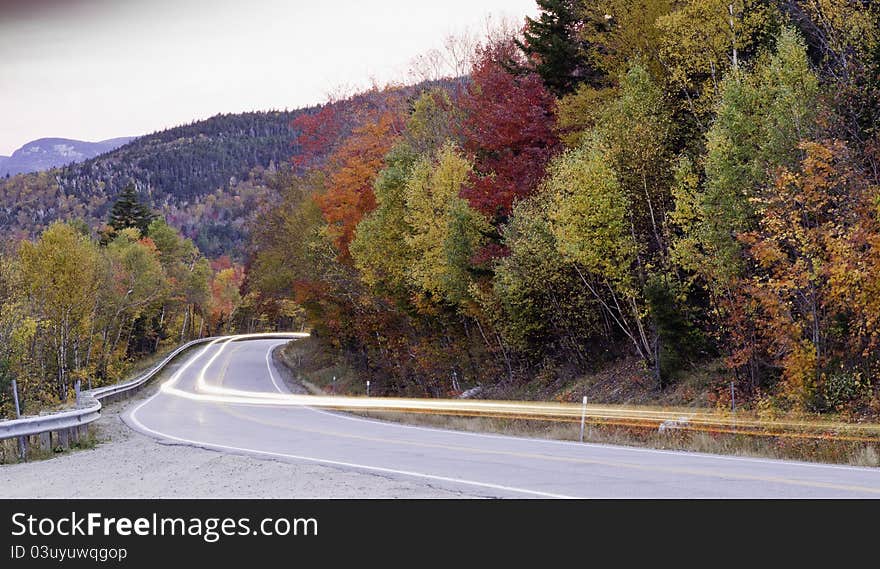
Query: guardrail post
[590,428]
[63,439]
[22,441]
[46,441]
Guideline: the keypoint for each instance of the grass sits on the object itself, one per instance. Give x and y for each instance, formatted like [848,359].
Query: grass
[315,370]
[818,450]
[9,451]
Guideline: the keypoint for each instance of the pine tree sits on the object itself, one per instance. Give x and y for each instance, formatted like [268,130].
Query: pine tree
[551,43]
[128,211]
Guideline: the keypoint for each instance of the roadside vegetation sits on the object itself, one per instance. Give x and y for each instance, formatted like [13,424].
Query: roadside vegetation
[675,204]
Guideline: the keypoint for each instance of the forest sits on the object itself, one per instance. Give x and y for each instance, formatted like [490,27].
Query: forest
[81,305]
[207,178]
[661,188]
[672,184]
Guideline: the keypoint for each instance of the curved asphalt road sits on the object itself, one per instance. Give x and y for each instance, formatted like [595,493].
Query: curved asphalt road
[187,410]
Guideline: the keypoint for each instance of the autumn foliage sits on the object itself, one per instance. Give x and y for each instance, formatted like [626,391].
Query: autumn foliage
[351,171]
[697,191]
[508,129]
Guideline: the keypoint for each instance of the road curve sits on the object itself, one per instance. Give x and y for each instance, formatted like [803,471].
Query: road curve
[222,399]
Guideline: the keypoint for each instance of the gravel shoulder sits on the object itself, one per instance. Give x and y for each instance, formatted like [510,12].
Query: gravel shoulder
[127,464]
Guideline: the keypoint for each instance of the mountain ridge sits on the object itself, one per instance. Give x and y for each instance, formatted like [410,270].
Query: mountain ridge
[53,152]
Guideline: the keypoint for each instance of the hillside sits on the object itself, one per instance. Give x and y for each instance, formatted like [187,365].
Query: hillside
[174,170]
[556,218]
[208,178]
[46,153]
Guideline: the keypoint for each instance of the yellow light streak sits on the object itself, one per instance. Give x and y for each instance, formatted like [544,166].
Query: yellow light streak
[683,419]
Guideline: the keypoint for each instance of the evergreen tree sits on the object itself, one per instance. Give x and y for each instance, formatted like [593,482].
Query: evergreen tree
[128,211]
[551,43]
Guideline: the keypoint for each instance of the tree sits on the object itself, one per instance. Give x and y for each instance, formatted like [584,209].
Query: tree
[537,300]
[843,41]
[552,46]
[802,248]
[134,287]
[702,39]
[445,232]
[590,224]
[507,131]
[225,297]
[619,32]
[636,128]
[580,113]
[318,134]
[60,273]
[128,211]
[352,169]
[760,119]
[380,249]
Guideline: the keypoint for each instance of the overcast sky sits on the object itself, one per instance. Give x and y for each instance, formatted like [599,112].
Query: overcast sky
[98,69]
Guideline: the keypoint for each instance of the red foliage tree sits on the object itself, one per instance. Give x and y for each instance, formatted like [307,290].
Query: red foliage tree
[318,135]
[507,130]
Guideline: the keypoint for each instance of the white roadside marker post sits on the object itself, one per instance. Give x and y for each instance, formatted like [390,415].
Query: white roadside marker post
[583,417]
[733,404]
[368,388]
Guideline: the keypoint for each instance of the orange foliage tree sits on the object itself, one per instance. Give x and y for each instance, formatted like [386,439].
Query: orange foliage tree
[811,294]
[352,168]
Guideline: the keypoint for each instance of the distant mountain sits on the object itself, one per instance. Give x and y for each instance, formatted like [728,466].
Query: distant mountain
[47,153]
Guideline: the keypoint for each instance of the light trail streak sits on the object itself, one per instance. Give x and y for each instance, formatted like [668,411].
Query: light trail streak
[685,419]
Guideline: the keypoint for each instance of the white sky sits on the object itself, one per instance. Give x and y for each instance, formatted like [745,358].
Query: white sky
[98,69]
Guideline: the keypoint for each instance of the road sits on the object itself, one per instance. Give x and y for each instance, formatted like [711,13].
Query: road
[228,397]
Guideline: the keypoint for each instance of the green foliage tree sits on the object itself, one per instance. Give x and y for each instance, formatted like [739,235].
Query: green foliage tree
[701,39]
[537,298]
[759,121]
[553,47]
[636,129]
[590,224]
[380,249]
[619,32]
[128,211]
[445,231]
[60,273]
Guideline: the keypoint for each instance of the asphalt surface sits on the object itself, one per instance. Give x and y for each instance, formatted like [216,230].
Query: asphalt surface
[209,403]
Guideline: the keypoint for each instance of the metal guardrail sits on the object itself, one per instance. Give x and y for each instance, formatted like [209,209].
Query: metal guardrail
[69,423]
